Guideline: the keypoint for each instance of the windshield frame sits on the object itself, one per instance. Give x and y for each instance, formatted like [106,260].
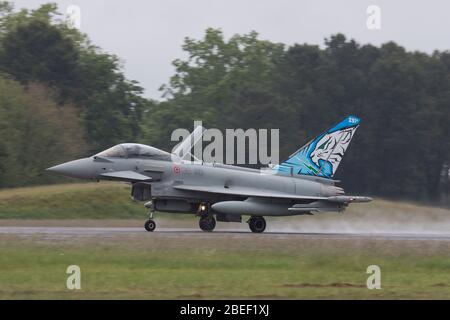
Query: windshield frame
[116,151]
[134,151]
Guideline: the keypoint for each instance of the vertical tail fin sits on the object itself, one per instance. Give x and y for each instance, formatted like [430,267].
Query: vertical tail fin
[322,155]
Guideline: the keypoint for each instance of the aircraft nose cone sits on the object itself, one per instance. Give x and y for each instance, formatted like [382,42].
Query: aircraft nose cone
[81,168]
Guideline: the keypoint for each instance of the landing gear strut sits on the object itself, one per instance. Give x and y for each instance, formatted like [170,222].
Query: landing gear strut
[257,224]
[150,224]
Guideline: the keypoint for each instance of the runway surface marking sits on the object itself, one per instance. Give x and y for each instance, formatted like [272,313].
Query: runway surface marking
[117,231]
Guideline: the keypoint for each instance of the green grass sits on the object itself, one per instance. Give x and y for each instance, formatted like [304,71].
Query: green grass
[135,269]
[70,201]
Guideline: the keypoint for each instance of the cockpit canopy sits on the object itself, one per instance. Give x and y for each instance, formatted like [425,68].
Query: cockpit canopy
[134,150]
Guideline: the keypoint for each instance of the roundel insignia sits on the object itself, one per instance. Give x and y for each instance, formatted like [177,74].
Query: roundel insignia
[176,169]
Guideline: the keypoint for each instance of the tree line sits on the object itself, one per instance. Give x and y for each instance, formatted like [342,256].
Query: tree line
[53,80]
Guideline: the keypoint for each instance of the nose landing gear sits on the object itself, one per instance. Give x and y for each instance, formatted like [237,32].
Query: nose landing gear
[150,224]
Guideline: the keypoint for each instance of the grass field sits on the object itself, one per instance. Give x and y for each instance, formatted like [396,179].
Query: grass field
[152,267]
[214,265]
[65,201]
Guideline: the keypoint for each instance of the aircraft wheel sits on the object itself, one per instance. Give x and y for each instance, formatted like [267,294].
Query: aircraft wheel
[207,223]
[150,225]
[257,224]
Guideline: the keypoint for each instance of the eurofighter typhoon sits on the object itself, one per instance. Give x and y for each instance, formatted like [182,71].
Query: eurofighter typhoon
[303,184]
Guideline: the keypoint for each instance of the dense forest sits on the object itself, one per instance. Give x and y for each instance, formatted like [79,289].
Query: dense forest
[61,97]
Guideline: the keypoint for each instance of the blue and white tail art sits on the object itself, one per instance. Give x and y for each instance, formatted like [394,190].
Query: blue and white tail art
[322,155]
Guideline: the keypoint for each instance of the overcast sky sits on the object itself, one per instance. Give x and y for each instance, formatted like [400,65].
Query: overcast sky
[147,34]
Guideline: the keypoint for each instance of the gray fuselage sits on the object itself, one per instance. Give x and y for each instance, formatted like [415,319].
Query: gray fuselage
[166,175]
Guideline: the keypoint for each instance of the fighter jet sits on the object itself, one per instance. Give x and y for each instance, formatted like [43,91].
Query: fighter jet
[302,184]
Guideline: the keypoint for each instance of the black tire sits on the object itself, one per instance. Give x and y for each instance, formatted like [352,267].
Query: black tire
[207,223]
[257,224]
[150,225]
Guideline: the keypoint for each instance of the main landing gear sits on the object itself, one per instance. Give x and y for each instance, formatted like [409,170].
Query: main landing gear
[207,221]
[257,224]
[150,224]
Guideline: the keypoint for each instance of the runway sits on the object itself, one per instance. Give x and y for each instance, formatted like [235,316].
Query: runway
[67,232]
